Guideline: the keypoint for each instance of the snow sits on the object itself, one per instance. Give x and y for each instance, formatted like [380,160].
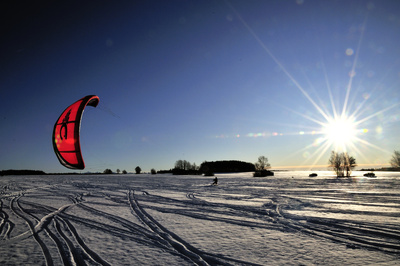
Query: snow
[288,219]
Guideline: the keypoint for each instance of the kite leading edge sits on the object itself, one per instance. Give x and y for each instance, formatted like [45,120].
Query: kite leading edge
[66,130]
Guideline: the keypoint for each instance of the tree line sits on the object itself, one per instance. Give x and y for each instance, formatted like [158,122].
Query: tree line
[183,167]
[343,164]
[21,172]
[339,162]
[109,171]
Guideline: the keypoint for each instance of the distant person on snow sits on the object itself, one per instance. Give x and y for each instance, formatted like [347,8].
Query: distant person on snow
[215,181]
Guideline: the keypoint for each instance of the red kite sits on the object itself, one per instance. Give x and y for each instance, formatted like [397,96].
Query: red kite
[66,133]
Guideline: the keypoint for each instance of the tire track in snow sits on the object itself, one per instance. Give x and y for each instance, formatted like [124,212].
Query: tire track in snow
[71,258]
[132,227]
[113,230]
[243,212]
[129,229]
[212,259]
[5,223]
[178,244]
[79,252]
[91,254]
[215,211]
[74,251]
[43,225]
[190,195]
[20,213]
[71,250]
[240,211]
[359,234]
[354,234]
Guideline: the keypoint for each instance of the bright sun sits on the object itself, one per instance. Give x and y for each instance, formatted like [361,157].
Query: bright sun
[340,132]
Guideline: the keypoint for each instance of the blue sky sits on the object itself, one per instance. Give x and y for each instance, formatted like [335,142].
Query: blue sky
[200,80]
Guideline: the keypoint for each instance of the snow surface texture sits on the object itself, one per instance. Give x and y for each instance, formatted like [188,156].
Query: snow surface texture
[289,219]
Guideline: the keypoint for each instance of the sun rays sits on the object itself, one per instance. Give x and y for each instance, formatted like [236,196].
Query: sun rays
[340,132]
[341,126]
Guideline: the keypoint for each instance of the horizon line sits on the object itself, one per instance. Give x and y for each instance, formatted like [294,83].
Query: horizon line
[326,166]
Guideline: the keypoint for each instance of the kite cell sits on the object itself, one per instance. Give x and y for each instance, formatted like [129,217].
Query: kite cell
[66,142]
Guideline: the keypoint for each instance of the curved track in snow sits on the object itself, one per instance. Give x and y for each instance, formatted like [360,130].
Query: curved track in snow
[353,233]
[112,220]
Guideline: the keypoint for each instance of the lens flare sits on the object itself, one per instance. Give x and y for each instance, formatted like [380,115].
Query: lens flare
[349,51]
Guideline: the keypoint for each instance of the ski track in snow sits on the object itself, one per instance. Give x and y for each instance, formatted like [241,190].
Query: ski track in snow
[182,220]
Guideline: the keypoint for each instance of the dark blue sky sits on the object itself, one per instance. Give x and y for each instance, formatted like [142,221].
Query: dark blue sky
[200,80]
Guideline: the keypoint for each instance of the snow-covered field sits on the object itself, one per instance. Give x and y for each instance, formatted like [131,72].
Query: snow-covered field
[289,219]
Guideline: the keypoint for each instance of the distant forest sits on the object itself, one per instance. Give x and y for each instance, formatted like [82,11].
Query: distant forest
[183,167]
[37,172]
[384,169]
[21,172]
[207,168]
[226,167]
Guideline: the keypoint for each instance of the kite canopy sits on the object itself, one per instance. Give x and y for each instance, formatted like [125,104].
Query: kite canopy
[66,142]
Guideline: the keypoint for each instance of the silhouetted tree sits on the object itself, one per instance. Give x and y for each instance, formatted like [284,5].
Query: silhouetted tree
[262,163]
[179,164]
[138,170]
[261,167]
[186,165]
[341,163]
[395,161]
[194,167]
[335,163]
[108,171]
[350,163]
[183,165]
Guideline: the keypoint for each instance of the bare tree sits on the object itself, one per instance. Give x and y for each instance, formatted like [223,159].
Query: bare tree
[349,163]
[186,165]
[183,165]
[335,162]
[262,163]
[194,167]
[395,161]
[341,163]
[179,164]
